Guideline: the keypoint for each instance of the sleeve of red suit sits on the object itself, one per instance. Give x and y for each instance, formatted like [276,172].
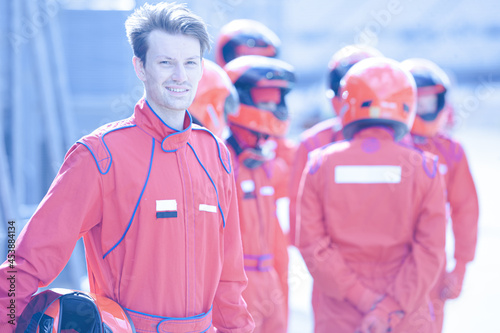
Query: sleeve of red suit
[281,259]
[463,200]
[464,207]
[421,268]
[45,245]
[294,182]
[229,309]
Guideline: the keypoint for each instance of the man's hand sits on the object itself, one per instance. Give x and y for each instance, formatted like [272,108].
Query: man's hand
[374,323]
[386,315]
[452,282]
[363,298]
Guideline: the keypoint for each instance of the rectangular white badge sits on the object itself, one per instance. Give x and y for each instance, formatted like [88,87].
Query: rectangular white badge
[267,190]
[208,208]
[166,205]
[367,174]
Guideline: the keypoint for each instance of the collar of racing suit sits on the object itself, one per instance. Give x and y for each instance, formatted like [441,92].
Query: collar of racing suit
[170,138]
[379,132]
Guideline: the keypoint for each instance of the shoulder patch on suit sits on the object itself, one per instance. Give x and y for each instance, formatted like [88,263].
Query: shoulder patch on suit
[314,160]
[430,164]
[316,157]
[95,143]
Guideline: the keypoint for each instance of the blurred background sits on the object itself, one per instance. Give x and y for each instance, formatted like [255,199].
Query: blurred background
[65,69]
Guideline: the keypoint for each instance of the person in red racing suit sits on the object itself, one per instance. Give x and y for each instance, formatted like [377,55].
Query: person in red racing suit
[242,37]
[427,133]
[327,131]
[153,196]
[372,212]
[259,176]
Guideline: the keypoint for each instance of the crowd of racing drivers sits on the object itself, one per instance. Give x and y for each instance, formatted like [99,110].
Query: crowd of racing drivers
[371,190]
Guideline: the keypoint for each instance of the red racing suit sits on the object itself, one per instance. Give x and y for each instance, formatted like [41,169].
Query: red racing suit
[265,253]
[464,210]
[325,132]
[373,222]
[157,209]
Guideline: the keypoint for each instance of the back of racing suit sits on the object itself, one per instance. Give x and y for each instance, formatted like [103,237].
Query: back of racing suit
[372,222]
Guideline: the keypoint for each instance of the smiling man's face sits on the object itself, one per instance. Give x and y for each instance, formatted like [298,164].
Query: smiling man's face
[172,71]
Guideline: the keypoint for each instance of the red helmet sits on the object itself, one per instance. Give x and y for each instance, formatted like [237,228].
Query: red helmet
[432,85]
[64,310]
[377,91]
[340,63]
[258,77]
[215,98]
[245,37]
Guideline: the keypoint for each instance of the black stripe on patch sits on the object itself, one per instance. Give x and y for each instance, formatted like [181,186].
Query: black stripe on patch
[163,215]
[366,104]
[249,195]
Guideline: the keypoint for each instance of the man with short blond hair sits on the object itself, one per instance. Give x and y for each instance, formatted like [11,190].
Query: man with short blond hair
[153,196]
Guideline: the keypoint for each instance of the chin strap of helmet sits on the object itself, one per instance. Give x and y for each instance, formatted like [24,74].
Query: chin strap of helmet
[251,157]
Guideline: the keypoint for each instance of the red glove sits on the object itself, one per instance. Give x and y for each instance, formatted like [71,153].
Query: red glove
[386,315]
[374,323]
[452,282]
[363,298]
